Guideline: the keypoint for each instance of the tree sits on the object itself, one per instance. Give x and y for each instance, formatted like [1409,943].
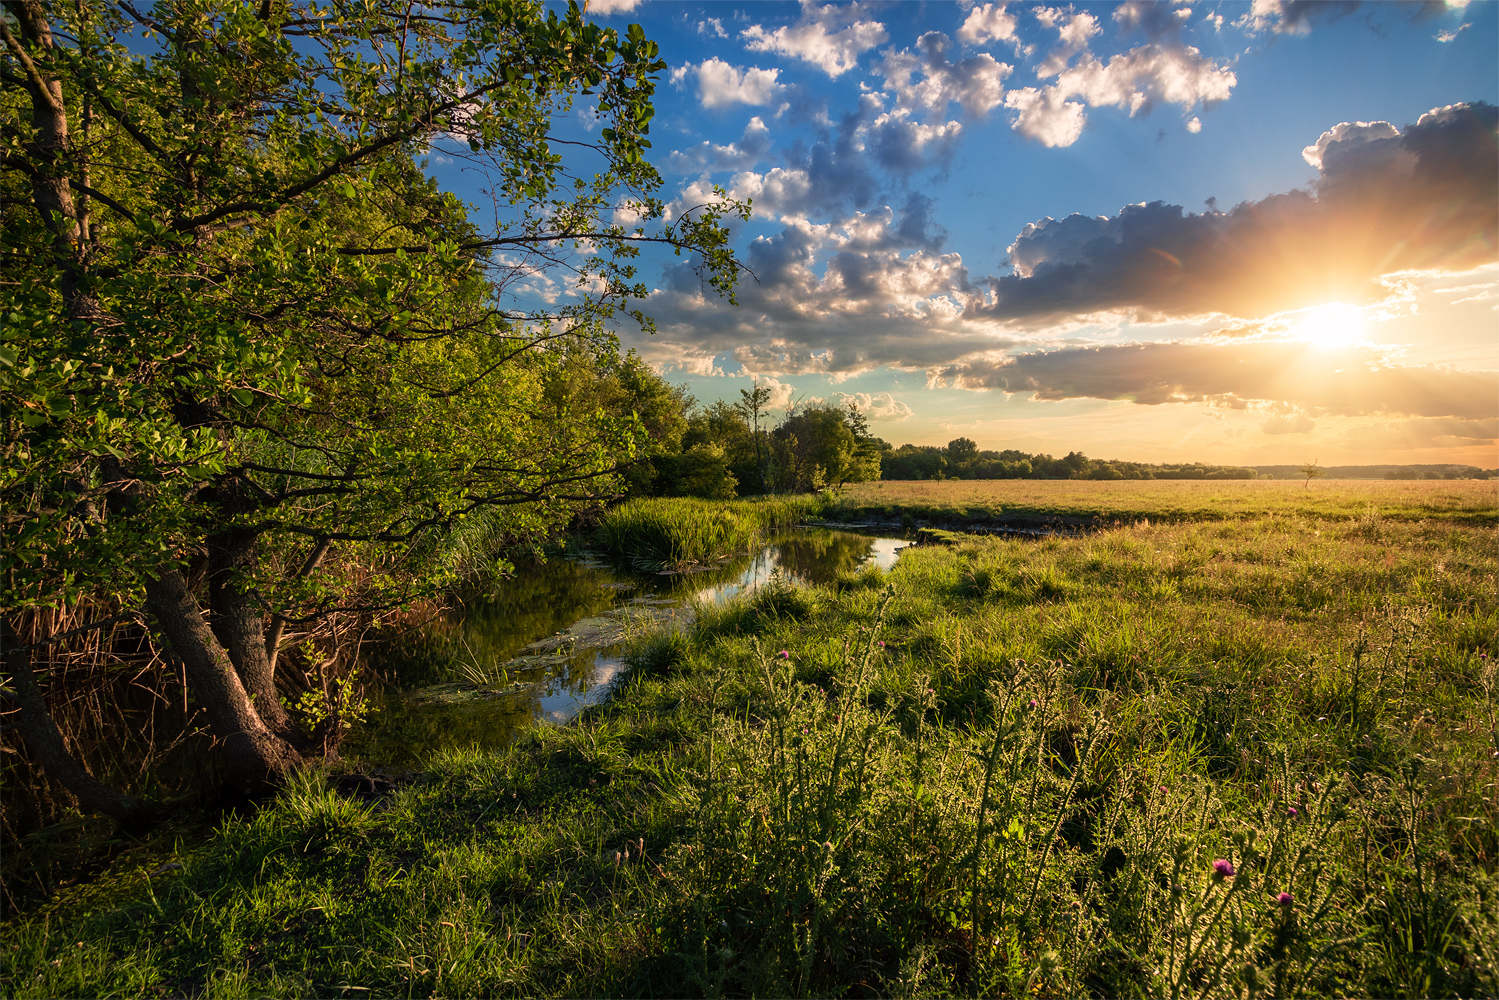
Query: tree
[752,403]
[249,339]
[816,446]
[1311,471]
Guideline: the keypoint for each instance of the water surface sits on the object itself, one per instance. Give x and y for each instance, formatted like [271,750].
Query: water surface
[544,645]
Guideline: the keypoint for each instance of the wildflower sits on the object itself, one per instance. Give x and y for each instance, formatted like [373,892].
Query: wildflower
[1033,703]
[881,644]
[1293,812]
[1284,899]
[783,654]
[1222,868]
[1164,789]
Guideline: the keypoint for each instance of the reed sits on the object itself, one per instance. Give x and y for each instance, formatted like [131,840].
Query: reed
[677,530]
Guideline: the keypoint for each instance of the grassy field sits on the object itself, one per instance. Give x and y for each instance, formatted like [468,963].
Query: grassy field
[1024,501]
[1245,756]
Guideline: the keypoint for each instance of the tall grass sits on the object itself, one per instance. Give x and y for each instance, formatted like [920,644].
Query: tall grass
[1249,758]
[681,530]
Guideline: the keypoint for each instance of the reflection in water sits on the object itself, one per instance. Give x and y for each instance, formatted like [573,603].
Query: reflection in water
[548,643]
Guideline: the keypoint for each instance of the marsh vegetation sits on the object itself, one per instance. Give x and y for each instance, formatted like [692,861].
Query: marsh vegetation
[1247,756]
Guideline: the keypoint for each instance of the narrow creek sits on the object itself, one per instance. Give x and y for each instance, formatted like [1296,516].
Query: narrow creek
[542,646]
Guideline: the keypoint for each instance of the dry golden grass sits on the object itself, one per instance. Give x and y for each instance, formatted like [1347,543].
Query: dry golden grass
[1469,501]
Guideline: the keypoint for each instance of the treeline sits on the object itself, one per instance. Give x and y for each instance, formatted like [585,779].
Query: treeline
[1439,471]
[963,459]
[724,450]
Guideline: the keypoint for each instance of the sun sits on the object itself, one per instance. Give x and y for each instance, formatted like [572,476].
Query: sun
[1330,326]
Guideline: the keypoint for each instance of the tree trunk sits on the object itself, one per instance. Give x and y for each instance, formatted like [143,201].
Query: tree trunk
[239,627]
[256,758]
[51,753]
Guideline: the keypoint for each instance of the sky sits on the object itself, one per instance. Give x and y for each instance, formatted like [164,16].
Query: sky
[1222,232]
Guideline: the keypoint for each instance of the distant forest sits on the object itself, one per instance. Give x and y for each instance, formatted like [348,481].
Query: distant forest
[962,459]
[728,449]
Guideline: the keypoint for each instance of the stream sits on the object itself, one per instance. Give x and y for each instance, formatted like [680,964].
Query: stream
[549,642]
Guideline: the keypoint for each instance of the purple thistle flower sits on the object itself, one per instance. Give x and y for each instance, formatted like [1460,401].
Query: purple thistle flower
[784,655]
[1033,703]
[1284,899]
[1164,789]
[1293,812]
[881,644]
[1222,868]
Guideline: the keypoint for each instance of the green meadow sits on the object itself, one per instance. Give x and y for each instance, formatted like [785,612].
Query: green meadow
[1250,753]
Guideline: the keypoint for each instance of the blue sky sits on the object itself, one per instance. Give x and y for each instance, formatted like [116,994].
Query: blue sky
[1318,280]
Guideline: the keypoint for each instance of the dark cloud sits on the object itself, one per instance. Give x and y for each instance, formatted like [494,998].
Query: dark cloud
[1231,374]
[1160,20]
[875,302]
[1295,17]
[854,164]
[1386,201]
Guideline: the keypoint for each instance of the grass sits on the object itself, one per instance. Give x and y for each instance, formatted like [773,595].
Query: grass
[1024,502]
[1006,768]
[682,530]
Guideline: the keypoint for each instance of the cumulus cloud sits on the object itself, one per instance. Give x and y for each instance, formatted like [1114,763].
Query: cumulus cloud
[831,38]
[607,7]
[1073,32]
[831,302]
[927,79]
[1193,372]
[1416,200]
[990,22]
[712,27]
[1045,114]
[1134,80]
[853,162]
[721,84]
[752,146]
[781,394]
[1348,138]
[880,406]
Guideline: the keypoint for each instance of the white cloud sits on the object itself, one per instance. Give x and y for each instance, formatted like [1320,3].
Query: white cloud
[720,84]
[607,7]
[881,406]
[1134,80]
[928,79]
[713,27]
[1194,124]
[1046,116]
[752,145]
[990,22]
[1073,32]
[781,393]
[831,37]
[1447,36]
[1174,74]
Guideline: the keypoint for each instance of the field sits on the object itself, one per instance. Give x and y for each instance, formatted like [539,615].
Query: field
[1024,501]
[1248,748]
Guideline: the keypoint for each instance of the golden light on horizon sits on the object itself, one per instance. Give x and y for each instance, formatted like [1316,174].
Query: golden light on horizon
[1330,327]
